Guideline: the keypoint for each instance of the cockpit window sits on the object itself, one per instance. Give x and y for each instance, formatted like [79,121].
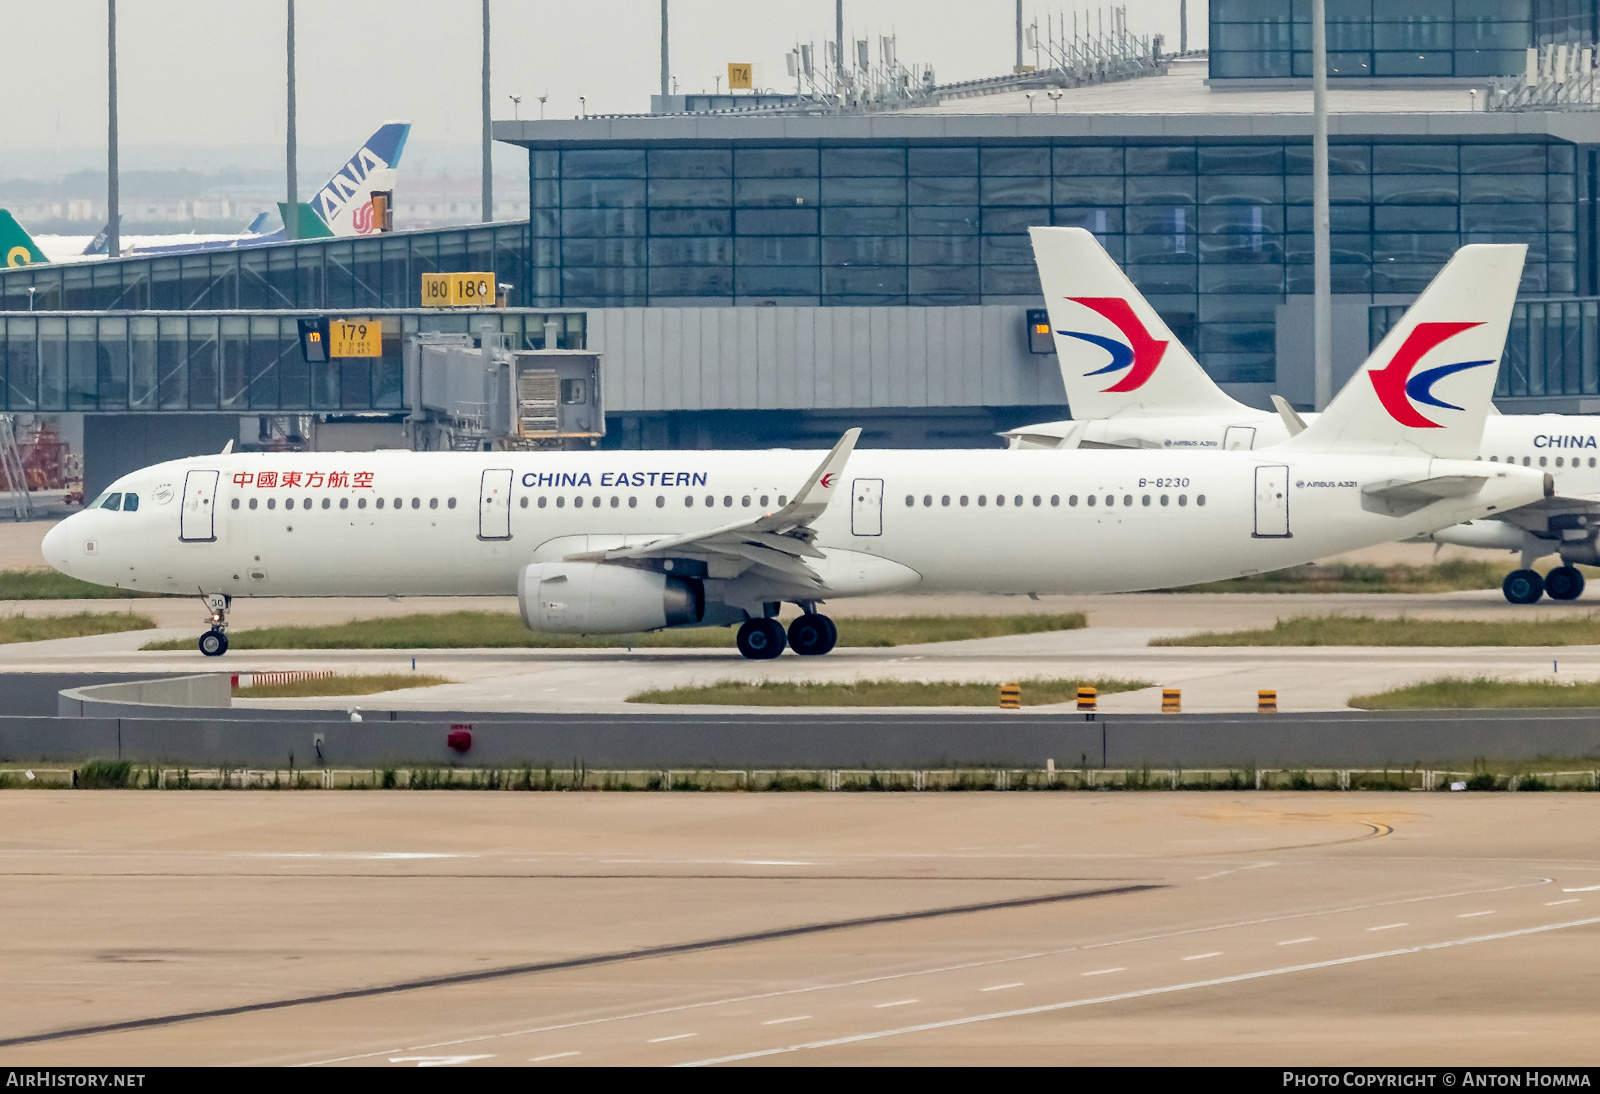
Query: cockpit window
[130,502]
[113,501]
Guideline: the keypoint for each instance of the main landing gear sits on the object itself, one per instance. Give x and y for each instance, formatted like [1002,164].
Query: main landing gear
[1525,586]
[214,643]
[811,635]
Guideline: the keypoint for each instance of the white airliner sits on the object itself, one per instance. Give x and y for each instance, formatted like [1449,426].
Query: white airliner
[613,542]
[1132,384]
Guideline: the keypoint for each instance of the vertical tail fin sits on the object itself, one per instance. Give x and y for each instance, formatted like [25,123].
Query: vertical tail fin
[1117,355]
[16,244]
[344,202]
[1427,386]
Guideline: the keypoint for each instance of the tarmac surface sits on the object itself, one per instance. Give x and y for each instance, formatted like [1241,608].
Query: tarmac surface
[409,929]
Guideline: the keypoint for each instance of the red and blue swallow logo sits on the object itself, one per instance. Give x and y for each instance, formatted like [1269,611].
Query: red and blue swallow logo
[1398,390]
[1137,352]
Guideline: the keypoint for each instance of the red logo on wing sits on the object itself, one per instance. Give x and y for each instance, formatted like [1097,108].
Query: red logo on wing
[827,481]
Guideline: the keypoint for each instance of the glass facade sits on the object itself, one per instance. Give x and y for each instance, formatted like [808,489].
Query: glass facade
[1215,234]
[223,361]
[1552,347]
[374,272]
[1271,39]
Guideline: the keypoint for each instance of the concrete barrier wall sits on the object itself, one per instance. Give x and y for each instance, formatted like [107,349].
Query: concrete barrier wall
[136,698]
[848,740]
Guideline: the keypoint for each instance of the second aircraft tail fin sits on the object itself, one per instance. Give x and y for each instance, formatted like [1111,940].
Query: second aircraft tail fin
[1117,355]
[344,202]
[1427,386]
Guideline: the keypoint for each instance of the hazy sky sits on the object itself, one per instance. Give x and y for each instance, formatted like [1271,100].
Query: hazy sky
[202,82]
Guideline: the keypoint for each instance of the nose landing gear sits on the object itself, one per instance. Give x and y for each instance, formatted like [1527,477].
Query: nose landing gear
[214,643]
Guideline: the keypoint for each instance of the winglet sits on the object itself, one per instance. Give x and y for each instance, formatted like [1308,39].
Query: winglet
[227,448]
[808,504]
[1291,420]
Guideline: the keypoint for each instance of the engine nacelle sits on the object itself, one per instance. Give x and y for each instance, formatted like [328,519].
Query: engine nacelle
[595,598]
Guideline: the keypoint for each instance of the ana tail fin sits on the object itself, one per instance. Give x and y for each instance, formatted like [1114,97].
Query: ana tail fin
[16,244]
[344,202]
[1427,386]
[1117,355]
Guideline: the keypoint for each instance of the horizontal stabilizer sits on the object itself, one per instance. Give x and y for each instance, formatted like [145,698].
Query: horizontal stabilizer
[1399,499]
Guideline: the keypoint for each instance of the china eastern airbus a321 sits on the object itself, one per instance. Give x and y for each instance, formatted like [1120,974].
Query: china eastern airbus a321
[614,542]
[1131,384]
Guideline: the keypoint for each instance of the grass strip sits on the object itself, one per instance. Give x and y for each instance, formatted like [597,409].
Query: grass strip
[1361,630]
[876,693]
[1482,693]
[54,585]
[369,684]
[1451,576]
[502,630]
[40,628]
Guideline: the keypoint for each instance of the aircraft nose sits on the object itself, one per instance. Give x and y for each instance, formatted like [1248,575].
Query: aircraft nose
[54,547]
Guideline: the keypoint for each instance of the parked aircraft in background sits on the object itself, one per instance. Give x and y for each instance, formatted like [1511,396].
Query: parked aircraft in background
[341,207]
[614,542]
[1132,384]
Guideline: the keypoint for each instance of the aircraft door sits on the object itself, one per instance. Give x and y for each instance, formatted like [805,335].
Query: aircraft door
[494,504]
[1239,438]
[1272,502]
[197,520]
[866,513]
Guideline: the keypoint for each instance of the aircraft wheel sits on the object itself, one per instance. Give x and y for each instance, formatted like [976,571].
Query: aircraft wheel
[761,639]
[1564,583]
[1523,586]
[214,643]
[813,635]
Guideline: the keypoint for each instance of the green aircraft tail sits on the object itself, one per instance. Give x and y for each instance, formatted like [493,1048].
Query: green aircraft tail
[311,225]
[16,245]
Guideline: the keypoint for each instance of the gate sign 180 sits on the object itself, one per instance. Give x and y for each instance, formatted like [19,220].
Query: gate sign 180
[458,290]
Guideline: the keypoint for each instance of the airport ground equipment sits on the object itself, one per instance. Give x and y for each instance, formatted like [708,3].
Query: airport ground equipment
[479,394]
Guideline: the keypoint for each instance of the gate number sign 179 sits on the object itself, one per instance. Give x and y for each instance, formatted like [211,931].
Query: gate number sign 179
[355,338]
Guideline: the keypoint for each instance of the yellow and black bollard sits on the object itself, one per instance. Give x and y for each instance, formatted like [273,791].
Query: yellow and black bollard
[1267,701]
[1086,697]
[1010,696]
[1171,701]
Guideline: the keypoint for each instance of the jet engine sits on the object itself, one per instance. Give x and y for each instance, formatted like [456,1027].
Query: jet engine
[595,598]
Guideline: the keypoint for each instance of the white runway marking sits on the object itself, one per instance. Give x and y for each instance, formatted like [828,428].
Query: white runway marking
[552,1056]
[1297,941]
[937,970]
[1103,972]
[674,1037]
[1553,903]
[1472,915]
[1388,926]
[1202,956]
[896,1003]
[438,1061]
[1048,1008]
[781,1021]
[1582,889]
[1003,987]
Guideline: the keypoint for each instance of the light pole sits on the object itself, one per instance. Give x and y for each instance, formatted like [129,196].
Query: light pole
[1322,272]
[516,107]
[665,78]
[291,207]
[113,182]
[488,147]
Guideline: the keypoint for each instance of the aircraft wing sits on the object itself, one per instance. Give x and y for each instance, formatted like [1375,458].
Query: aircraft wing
[1549,517]
[777,542]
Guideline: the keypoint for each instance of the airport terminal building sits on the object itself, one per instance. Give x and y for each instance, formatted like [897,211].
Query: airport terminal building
[772,275]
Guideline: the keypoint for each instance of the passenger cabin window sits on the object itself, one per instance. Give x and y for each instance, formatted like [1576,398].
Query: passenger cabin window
[1200,499]
[1055,499]
[344,503]
[380,504]
[113,501]
[661,501]
[361,503]
[1183,499]
[910,501]
[327,503]
[451,504]
[252,503]
[272,503]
